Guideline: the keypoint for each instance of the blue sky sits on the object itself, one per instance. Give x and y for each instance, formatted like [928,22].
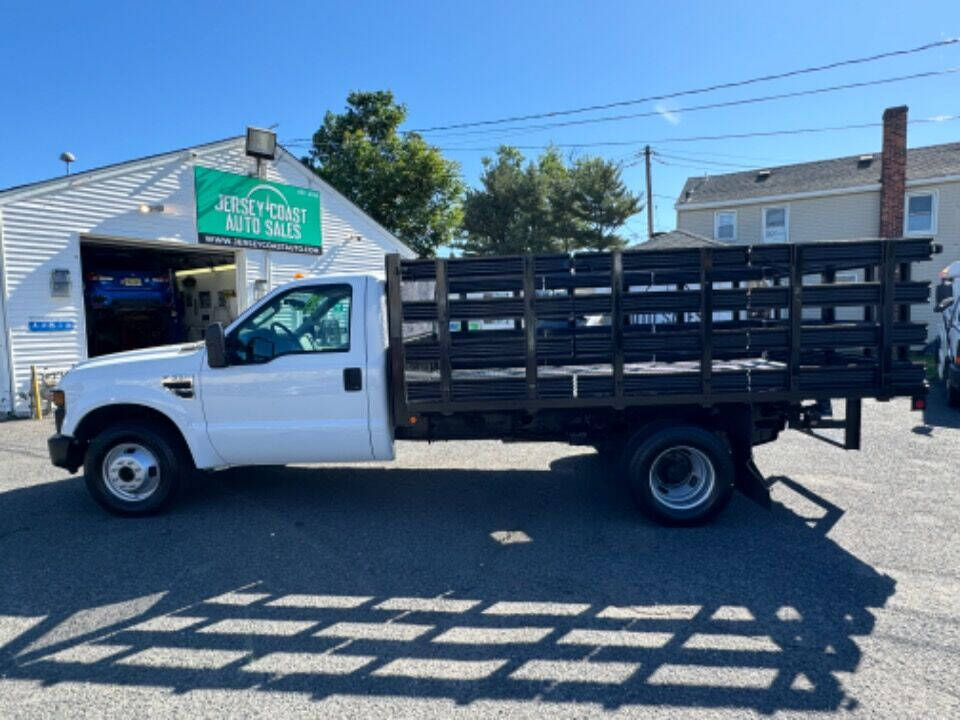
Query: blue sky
[114,81]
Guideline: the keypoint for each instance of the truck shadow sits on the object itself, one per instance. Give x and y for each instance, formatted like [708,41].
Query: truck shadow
[938,412]
[464,585]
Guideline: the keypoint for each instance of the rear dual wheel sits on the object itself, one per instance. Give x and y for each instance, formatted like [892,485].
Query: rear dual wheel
[679,474]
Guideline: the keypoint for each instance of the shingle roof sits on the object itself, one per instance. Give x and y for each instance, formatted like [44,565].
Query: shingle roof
[923,162]
[676,239]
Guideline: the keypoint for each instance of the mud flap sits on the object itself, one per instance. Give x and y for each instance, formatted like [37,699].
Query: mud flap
[747,478]
[751,483]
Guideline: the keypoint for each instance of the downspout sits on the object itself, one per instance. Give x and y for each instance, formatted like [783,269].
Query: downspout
[5,319]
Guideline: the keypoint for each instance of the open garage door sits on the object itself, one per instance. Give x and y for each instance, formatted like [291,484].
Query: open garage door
[138,296]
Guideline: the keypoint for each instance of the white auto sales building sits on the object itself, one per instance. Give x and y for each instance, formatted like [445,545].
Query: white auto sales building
[150,251]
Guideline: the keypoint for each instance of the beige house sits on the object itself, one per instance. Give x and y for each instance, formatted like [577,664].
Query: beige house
[836,199]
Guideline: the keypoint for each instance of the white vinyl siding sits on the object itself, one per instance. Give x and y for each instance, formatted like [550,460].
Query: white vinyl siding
[920,213]
[834,217]
[725,226]
[776,223]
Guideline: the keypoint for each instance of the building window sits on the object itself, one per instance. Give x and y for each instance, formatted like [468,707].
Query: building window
[920,217]
[775,224]
[725,226]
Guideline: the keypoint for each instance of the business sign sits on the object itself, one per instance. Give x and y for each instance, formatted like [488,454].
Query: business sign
[247,212]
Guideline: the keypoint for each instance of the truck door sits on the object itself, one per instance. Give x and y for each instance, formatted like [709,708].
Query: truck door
[295,387]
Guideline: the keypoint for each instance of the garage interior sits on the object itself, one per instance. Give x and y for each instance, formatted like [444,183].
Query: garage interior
[138,296]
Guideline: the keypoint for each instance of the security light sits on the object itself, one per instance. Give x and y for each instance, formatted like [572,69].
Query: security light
[261,144]
[67,157]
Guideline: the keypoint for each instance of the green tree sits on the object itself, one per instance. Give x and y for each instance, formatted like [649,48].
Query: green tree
[510,213]
[600,204]
[400,180]
[545,206]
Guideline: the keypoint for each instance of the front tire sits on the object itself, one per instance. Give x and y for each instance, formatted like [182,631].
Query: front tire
[135,469]
[680,474]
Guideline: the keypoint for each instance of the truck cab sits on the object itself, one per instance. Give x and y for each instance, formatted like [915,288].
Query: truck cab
[302,379]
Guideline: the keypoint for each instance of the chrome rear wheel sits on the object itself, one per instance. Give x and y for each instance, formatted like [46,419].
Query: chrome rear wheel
[682,477]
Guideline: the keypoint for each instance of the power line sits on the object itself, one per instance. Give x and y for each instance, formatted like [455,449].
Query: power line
[706,138]
[706,162]
[728,103]
[697,91]
[305,142]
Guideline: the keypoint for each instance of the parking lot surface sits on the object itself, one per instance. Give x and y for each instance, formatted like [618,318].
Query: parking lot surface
[491,580]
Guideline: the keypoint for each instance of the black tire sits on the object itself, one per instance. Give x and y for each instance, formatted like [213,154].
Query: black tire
[672,446]
[172,464]
[953,393]
[953,396]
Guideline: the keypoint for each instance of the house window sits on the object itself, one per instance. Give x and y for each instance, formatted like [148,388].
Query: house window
[725,226]
[920,217]
[775,221]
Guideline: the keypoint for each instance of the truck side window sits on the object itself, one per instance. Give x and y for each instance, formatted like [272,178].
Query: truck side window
[302,320]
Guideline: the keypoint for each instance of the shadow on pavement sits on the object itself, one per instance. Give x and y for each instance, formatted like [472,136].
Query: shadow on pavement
[454,584]
[937,412]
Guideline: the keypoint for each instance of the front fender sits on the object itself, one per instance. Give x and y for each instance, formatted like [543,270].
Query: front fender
[185,413]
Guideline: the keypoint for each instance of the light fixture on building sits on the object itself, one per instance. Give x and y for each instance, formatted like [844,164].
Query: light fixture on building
[261,144]
[60,282]
[67,157]
[144,208]
[206,270]
[259,288]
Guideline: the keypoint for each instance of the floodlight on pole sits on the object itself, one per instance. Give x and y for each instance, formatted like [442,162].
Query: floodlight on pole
[67,157]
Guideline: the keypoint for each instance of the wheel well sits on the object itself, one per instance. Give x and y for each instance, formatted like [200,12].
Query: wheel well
[100,419]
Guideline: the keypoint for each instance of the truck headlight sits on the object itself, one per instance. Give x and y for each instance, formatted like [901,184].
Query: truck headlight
[59,400]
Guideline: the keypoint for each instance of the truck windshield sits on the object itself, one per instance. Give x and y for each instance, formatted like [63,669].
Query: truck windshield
[302,320]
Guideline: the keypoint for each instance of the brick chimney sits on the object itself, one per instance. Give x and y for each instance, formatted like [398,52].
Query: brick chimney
[893,171]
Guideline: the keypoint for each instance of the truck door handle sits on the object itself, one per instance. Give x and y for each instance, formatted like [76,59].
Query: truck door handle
[352,379]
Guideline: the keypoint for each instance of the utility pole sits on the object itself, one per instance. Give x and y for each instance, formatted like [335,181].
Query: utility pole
[646,158]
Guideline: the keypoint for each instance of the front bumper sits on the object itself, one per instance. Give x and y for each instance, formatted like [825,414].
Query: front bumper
[65,452]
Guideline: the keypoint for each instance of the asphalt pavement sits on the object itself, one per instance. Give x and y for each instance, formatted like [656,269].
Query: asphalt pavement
[491,580]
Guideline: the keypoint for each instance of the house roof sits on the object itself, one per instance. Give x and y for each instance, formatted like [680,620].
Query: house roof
[676,239]
[852,171]
[12,193]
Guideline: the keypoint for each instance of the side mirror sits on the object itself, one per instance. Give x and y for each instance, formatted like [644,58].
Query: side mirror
[216,344]
[943,291]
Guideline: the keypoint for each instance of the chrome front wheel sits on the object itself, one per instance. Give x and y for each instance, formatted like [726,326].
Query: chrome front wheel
[131,472]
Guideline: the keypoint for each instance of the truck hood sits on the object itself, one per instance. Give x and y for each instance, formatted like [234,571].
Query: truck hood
[147,367]
[168,353]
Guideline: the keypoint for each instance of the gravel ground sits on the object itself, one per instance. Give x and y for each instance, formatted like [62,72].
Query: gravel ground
[490,580]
